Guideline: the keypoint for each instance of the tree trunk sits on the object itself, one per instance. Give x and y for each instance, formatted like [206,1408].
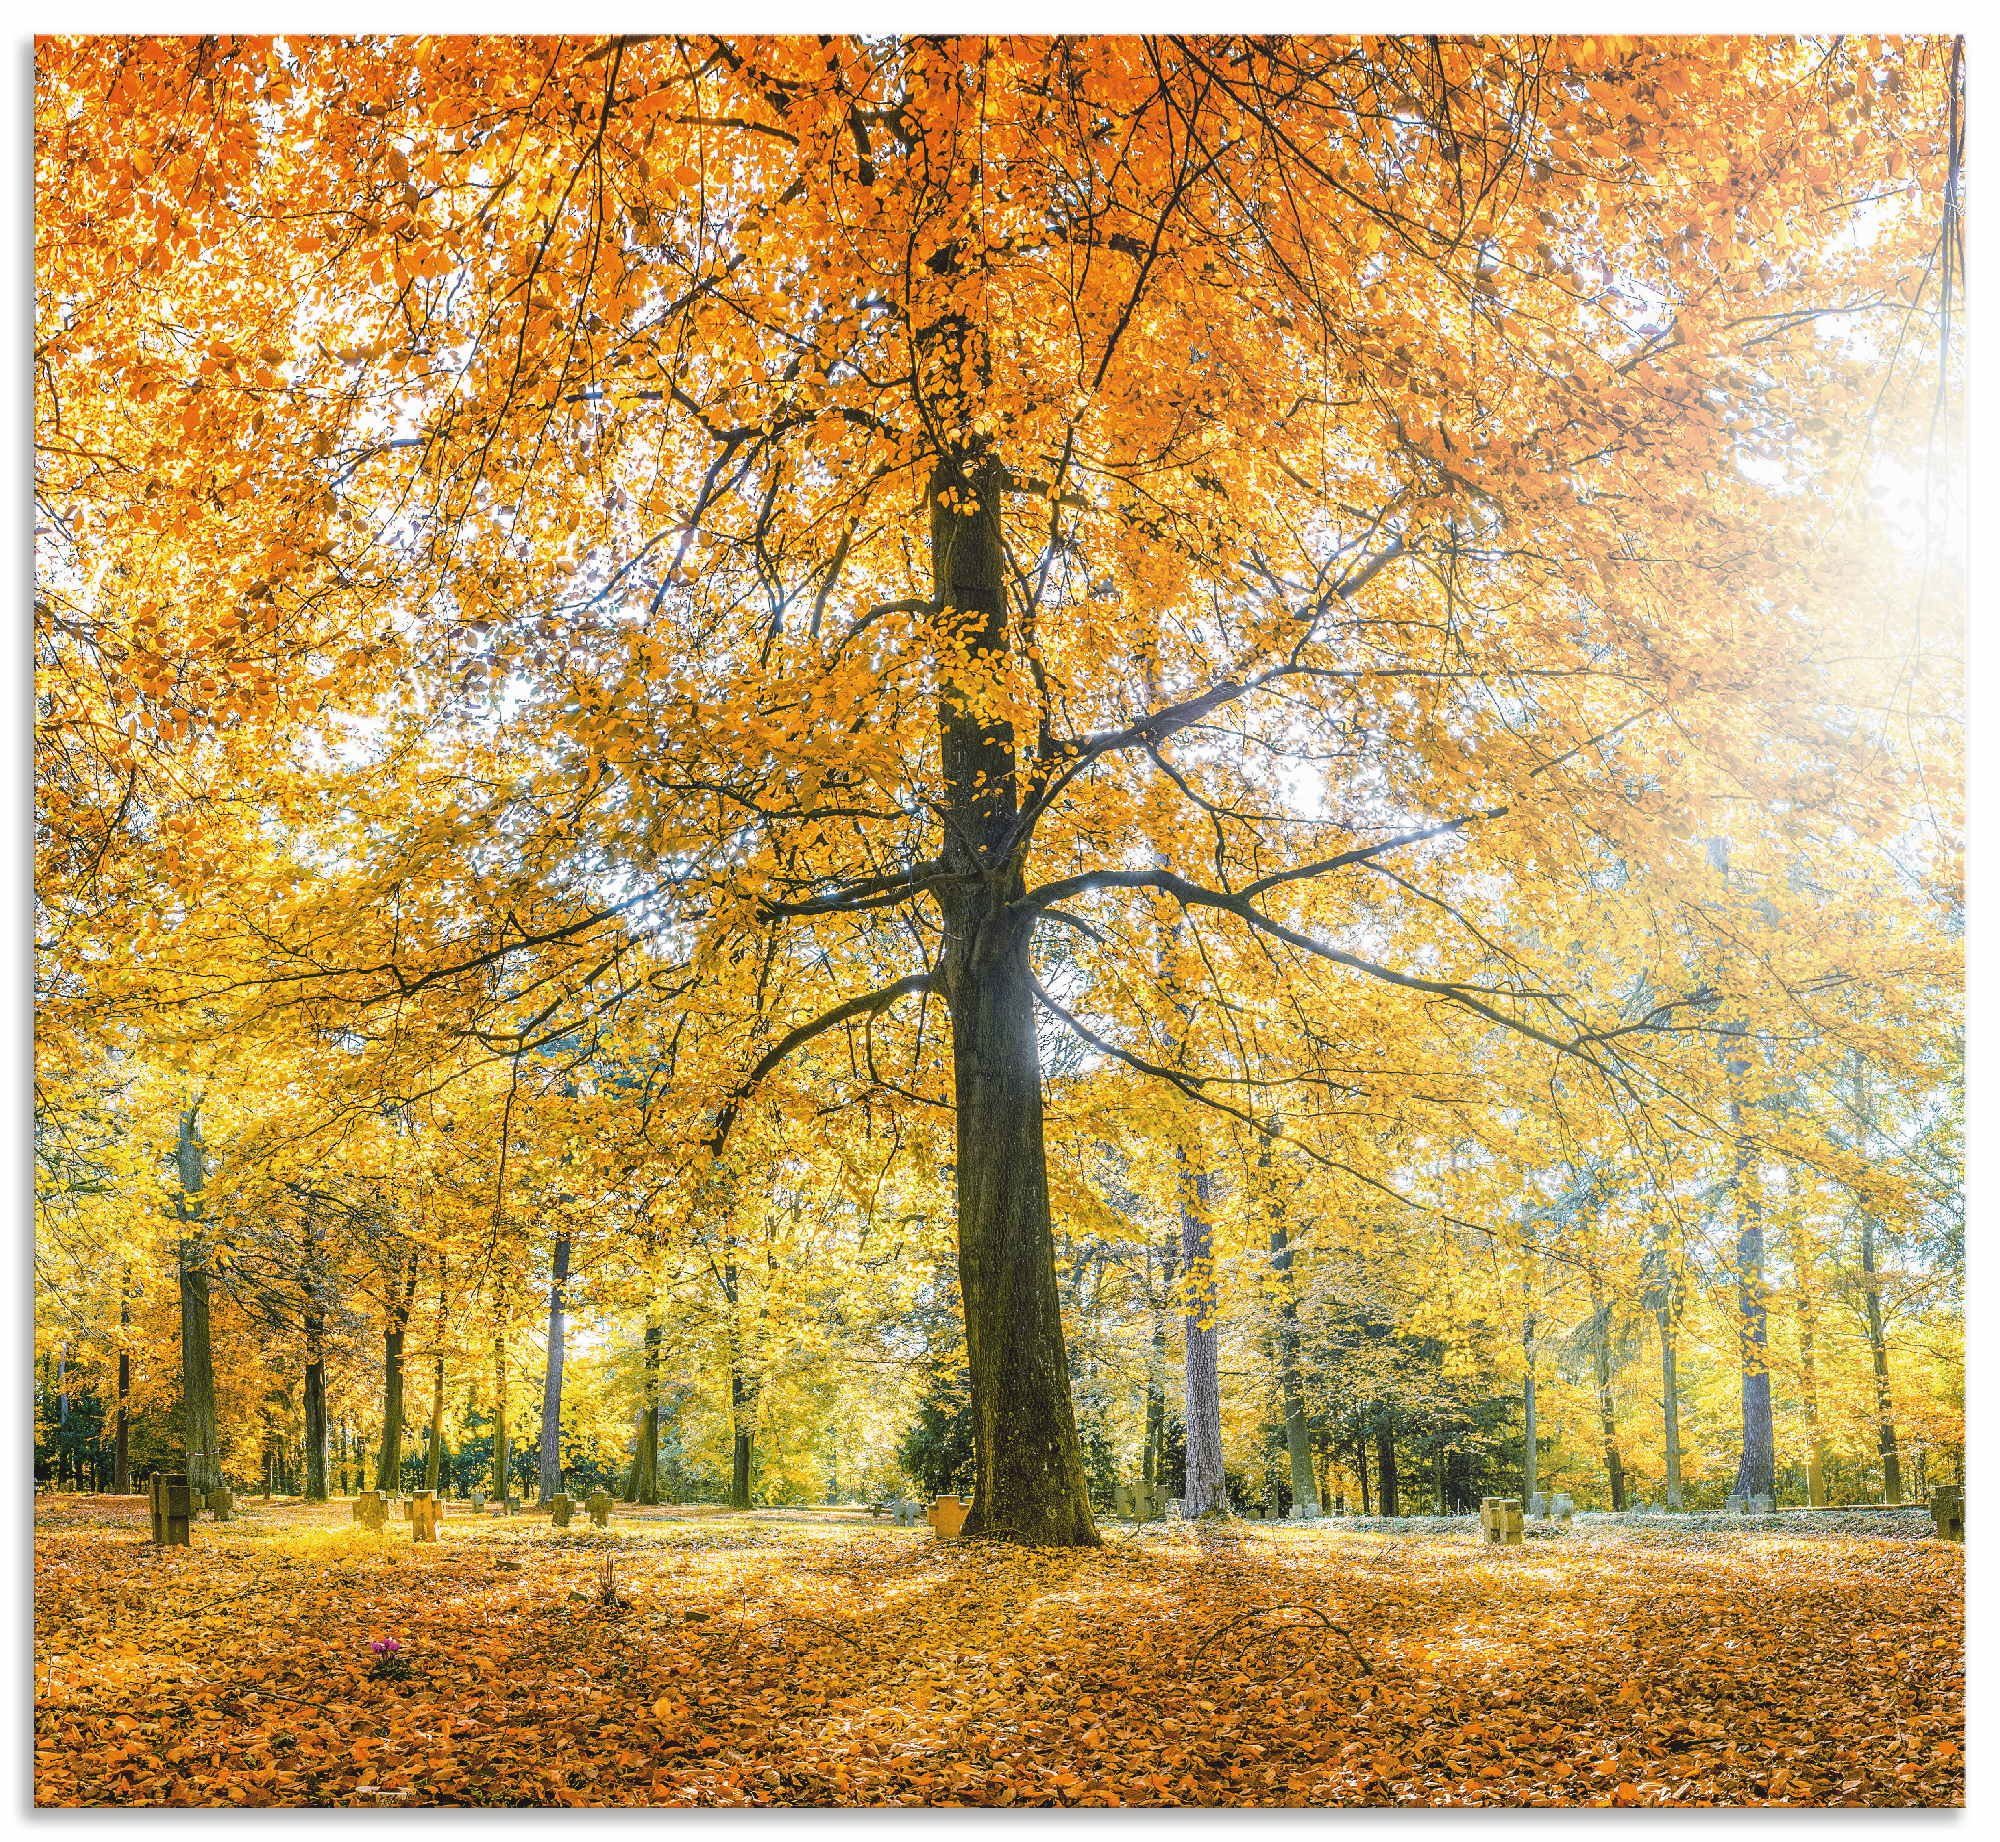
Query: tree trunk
[739,1448]
[1878,1356]
[1530,1454]
[315,1369]
[121,1431]
[500,1452]
[550,1480]
[389,1459]
[1385,1463]
[315,1406]
[1670,1404]
[1030,1467]
[1754,1475]
[1607,1416]
[1153,1454]
[434,1457]
[204,1440]
[1204,1493]
[645,1479]
[1298,1442]
[1809,1373]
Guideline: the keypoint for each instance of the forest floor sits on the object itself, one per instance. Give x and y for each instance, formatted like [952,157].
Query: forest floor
[815,1658]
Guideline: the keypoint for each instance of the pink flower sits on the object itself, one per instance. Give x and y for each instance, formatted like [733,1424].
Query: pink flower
[385,1646]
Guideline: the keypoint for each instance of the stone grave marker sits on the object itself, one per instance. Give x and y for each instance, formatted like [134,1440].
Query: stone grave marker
[559,1510]
[370,1510]
[1948,1512]
[904,1511]
[1561,1506]
[425,1512]
[221,1504]
[1500,1520]
[171,1501]
[478,1501]
[599,1505]
[947,1516]
[1174,1506]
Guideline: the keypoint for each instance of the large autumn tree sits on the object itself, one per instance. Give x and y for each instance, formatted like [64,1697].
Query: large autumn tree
[756,542]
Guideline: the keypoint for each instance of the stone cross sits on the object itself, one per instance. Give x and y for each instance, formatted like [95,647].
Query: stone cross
[1561,1506]
[1500,1520]
[171,1501]
[425,1509]
[559,1510]
[904,1511]
[478,1501]
[1948,1512]
[370,1511]
[599,1505]
[947,1516]
[221,1505]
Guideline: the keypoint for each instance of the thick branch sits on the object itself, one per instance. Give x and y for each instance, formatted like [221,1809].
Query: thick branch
[866,1005]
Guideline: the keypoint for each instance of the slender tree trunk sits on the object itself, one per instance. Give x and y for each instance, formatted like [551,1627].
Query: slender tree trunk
[500,1452]
[1878,1357]
[434,1456]
[204,1439]
[1809,1372]
[395,1327]
[1298,1442]
[315,1408]
[315,1367]
[1361,1470]
[1530,1433]
[1670,1403]
[1031,1485]
[1385,1463]
[1205,1493]
[645,1480]
[1153,1455]
[740,1442]
[552,1379]
[1755,1474]
[1607,1413]
[121,1430]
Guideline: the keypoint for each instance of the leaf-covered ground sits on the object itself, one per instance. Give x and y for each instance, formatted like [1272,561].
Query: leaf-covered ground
[811,1658]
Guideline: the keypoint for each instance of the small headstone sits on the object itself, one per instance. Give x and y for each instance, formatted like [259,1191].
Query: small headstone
[1174,1506]
[370,1510]
[1561,1506]
[478,1501]
[221,1504]
[947,1516]
[1122,1503]
[171,1500]
[1734,1502]
[904,1511]
[425,1511]
[1500,1520]
[559,1510]
[1298,1513]
[599,1505]
[1948,1512]
[1538,1505]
